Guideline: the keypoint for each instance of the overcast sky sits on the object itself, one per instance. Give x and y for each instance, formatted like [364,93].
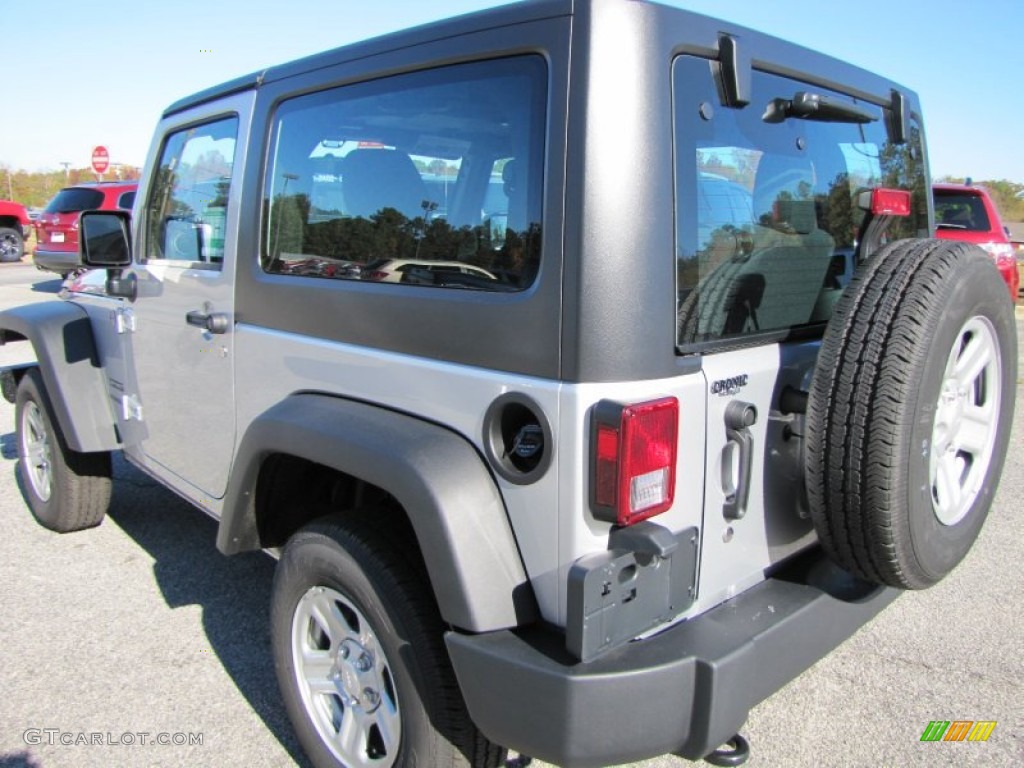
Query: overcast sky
[81,74]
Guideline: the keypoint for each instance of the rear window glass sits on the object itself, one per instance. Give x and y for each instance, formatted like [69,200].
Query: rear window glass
[431,178]
[766,220]
[961,210]
[75,199]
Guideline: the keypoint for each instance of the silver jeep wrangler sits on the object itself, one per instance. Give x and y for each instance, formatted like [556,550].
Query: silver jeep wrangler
[576,358]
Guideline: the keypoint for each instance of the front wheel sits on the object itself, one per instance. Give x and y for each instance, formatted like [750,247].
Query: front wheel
[66,490]
[360,658]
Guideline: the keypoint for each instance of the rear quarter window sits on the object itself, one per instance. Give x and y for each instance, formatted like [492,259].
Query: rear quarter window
[126,200]
[443,165]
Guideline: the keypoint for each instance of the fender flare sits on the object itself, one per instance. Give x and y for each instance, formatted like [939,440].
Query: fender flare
[61,334]
[456,510]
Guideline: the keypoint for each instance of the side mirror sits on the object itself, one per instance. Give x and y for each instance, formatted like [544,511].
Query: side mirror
[104,239]
[104,242]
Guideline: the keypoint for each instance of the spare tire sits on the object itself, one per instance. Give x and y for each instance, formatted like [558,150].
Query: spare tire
[910,411]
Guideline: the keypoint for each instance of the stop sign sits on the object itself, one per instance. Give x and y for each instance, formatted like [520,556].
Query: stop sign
[100,159]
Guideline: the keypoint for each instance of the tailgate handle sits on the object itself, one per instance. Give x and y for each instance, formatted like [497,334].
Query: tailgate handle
[214,322]
[737,458]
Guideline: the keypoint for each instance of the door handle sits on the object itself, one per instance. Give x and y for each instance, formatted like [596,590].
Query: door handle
[214,322]
[739,417]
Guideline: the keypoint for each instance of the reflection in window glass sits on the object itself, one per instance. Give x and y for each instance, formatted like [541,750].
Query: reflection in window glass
[766,220]
[431,178]
[188,203]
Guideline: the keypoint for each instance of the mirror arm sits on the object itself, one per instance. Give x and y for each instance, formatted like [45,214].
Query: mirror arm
[122,287]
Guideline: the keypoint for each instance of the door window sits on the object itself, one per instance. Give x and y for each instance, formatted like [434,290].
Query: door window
[188,202]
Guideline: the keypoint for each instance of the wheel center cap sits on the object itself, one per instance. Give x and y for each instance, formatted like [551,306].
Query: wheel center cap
[349,681]
[356,676]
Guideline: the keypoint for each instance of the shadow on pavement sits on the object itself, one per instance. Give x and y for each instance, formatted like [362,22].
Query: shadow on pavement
[18,760]
[233,592]
[48,286]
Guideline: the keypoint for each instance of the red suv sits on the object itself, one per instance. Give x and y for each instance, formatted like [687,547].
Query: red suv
[57,226]
[965,212]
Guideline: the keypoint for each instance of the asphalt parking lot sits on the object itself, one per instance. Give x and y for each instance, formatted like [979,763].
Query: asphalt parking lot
[139,629]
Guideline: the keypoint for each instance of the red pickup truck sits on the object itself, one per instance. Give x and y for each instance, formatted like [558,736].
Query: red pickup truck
[14,226]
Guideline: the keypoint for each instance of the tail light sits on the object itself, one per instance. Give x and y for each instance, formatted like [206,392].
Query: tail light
[376,274]
[1001,252]
[633,449]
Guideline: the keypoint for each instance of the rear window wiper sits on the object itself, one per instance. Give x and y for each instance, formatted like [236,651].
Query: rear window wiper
[947,225]
[814,106]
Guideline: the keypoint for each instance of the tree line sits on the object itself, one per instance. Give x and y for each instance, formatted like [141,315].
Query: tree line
[35,189]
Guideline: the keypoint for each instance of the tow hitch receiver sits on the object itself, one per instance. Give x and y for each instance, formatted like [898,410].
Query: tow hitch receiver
[736,751]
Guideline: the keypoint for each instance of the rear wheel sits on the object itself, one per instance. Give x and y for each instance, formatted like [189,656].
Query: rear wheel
[360,657]
[910,412]
[12,244]
[66,490]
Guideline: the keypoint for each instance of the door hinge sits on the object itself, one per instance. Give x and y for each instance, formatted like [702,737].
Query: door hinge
[131,408]
[124,320]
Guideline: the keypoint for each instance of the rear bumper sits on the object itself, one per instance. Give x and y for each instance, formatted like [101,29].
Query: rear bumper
[60,262]
[687,690]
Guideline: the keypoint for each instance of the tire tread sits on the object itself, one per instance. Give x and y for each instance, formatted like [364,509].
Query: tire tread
[859,424]
[81,490]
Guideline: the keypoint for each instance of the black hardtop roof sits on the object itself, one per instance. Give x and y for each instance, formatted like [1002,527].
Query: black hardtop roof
[778,55]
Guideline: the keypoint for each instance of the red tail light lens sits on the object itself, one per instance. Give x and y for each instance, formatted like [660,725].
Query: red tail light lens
[1001,252]
[374,275]
[634,459]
